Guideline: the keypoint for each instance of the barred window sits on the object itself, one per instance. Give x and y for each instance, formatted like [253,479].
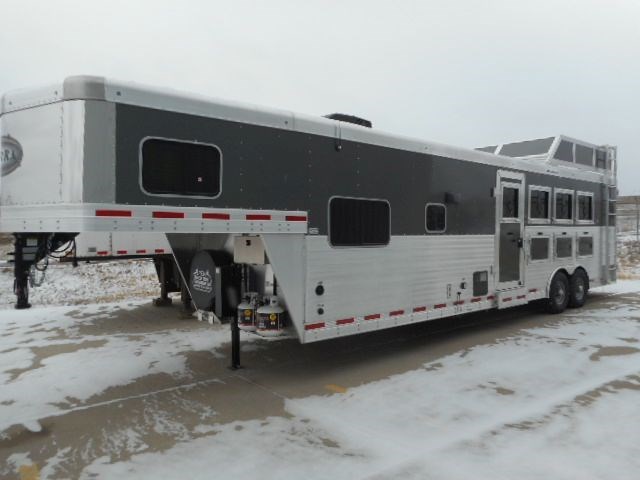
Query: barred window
[564,206]
[539,204]
[171,167]
[585,207]
[358,222]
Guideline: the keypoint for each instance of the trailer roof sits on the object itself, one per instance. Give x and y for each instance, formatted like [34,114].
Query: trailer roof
[103,89]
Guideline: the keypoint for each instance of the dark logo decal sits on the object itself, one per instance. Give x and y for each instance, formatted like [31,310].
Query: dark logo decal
[10,154]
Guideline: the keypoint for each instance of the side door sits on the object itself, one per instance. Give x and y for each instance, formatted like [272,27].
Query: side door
[510,199]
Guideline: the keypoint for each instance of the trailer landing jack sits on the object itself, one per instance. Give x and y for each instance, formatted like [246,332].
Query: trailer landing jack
[235,344]
[24,257]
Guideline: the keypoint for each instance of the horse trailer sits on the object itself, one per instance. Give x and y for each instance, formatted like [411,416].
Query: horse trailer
[328,226]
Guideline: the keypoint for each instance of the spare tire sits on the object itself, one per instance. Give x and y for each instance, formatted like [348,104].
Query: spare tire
[202,280]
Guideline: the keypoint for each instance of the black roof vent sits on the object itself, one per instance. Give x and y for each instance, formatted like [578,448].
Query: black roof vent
[343,117]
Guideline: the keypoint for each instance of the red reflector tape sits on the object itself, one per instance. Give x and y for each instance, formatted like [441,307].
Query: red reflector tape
[458,302]
[103,253]
[507,299]
[141,251]
[314,326]
[533,290]
[372,317]
[295,218]
[159,250]
[520,297]
[476,299]
[395,313]
[491,297]
[168,214]
[216,216]
[121,252]
[344,321]
[420,309]
[440,305]
[113,213]
[256,216]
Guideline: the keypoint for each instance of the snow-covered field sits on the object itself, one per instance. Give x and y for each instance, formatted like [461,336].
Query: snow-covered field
[557,401]
[554,399]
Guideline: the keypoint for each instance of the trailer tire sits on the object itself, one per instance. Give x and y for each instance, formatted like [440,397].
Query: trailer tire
[578,288]
[558,294]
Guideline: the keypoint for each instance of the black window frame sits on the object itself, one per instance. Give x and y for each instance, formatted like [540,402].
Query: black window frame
[548,191]
[571,204]
[141,161]
[426,222]
[331,230]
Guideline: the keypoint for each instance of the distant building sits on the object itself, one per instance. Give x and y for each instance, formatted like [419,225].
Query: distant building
[628,215]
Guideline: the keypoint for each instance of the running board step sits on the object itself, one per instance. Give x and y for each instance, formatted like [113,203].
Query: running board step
[511,298]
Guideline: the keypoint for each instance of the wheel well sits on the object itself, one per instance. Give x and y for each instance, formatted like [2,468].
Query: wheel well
[584,270]
[553,274]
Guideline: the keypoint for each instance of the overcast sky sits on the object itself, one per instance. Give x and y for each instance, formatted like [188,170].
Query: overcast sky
[468,73]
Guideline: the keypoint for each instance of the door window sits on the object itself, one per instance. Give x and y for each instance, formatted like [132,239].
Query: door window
[510,200]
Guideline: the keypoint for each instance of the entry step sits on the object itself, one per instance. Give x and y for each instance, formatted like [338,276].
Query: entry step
[511,298]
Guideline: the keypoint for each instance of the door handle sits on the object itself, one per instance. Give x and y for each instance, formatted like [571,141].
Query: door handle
[520,243]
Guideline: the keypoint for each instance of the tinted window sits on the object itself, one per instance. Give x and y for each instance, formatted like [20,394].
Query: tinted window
[585,246]
[601,159]
[179,168]
[529,147]
[564,247]
[584,155]
[585,207]
[564,151]
[490,149]
[357,222]
[564,206]
[436,218]
[509,202]
[539,204]
[539,248]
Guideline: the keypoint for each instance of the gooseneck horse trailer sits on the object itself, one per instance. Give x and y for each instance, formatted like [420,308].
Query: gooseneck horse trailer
[322,226]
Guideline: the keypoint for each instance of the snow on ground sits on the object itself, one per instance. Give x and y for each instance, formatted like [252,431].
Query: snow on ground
[556,401]
[48,351]
[87,283]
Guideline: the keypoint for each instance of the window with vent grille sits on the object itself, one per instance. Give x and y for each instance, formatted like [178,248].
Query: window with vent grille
[177,168]
[359,222]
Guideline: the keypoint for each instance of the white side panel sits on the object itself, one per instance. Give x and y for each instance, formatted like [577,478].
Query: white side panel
[375,288]
[539,272]
[46,145]
[88,244]
[100,217]
[99,244]
[35,174]
[287,256]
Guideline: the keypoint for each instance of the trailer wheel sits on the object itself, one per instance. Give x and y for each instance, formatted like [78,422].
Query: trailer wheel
[558,293]
[578,288]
